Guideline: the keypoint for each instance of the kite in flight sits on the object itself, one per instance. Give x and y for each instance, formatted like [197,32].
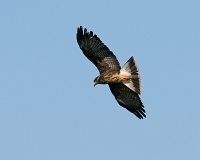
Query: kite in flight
[124,83]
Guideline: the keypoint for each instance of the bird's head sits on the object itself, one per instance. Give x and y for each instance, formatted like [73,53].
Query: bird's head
[96,81]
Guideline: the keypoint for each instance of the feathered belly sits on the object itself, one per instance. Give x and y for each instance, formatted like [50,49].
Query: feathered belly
[116,77]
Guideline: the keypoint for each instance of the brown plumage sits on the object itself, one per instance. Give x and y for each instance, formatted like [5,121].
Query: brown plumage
[124,83]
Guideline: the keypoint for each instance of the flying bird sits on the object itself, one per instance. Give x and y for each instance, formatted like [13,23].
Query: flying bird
[124,83]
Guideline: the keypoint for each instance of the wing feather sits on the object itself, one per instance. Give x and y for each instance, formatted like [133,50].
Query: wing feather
[98,53]
[128,99]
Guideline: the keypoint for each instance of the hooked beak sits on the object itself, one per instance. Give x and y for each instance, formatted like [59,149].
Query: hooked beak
[95,84]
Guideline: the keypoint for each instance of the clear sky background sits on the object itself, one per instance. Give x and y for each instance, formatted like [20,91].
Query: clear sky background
[49,108]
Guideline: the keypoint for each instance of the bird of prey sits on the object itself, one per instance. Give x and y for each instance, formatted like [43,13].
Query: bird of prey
[124,83]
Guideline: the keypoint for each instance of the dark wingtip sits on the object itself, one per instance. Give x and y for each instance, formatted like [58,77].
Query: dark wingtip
[83,34]
[80,30]
[79,35]
[140,113]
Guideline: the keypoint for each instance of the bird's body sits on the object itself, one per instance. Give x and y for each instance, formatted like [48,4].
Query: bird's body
[114,77]
[124,83]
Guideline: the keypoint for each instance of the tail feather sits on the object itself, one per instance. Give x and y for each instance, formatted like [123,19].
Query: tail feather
[131,67]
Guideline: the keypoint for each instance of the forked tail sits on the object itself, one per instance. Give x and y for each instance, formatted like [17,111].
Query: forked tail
[131,68]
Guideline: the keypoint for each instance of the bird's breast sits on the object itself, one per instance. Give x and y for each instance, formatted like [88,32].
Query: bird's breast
[116,77]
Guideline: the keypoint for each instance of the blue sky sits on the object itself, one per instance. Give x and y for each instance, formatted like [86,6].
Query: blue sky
[49,108]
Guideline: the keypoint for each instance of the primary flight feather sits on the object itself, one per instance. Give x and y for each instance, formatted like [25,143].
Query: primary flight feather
[124,83]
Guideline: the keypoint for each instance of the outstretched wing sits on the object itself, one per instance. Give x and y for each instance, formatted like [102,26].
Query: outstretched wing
[128,99]
[98,53]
